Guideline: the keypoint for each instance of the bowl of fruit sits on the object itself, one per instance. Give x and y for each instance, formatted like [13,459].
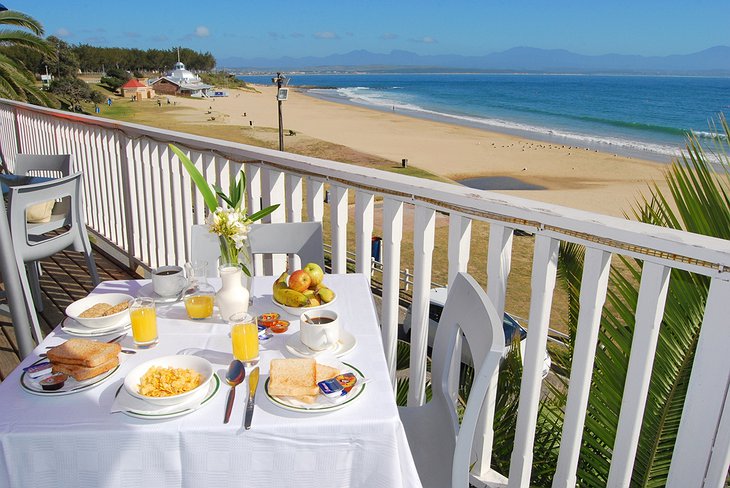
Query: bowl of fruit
[302,291]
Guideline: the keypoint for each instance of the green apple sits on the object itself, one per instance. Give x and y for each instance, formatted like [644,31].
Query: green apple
[314,272]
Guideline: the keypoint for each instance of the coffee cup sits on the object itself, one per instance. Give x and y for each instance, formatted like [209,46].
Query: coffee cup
[168,281]
[319,330]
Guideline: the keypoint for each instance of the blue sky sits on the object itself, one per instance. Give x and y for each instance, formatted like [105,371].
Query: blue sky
[316,28]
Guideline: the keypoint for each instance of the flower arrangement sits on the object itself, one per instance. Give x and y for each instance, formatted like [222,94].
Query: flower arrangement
[230,223]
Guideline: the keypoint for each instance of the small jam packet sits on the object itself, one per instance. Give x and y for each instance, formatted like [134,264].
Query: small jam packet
[38,370]
[338,386]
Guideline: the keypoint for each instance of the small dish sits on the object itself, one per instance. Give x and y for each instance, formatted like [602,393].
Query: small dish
[70,386]
[297,311]
[346,344]
[322,404]
[80,306]
[196,363]
[74,328]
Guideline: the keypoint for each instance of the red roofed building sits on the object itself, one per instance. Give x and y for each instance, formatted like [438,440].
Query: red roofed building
[137,90]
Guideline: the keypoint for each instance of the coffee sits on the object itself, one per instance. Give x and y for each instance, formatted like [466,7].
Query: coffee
[320,320]
[167,272]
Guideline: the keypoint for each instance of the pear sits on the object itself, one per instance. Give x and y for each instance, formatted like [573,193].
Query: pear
[325,294]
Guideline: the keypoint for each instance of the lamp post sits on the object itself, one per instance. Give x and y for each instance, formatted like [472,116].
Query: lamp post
[279,80]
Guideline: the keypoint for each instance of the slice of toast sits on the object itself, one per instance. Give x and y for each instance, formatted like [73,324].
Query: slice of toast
[84,352]
[292,377]
[325,372]
[80,373]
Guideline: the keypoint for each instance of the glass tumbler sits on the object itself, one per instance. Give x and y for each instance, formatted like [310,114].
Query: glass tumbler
[144,322]
[244,337]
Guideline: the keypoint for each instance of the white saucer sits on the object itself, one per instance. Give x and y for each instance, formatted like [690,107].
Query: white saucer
[74,328]
[149,292]
[346,344]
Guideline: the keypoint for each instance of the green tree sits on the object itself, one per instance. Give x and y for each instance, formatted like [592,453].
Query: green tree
[63,61]
[16,81]
[75,91]
[115,78]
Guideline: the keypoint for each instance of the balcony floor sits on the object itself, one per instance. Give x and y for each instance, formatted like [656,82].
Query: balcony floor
[64,280]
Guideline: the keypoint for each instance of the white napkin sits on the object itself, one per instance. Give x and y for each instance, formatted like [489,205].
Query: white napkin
[124,402]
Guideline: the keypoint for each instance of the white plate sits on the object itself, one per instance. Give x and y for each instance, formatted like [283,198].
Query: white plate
[346,344]
[322,404]
[74,328]
[298,311]
[149,292]
[71,386]
[183,409]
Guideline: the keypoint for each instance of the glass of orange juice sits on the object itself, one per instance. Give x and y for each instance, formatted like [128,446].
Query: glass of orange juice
[144,322]
[244,337]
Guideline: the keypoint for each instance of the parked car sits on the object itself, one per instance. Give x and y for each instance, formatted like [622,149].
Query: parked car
[510,325]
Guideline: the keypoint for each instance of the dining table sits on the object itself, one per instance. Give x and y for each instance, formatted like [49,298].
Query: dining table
[78,440]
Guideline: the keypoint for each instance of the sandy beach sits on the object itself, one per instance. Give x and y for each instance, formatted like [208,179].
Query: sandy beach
[571,176]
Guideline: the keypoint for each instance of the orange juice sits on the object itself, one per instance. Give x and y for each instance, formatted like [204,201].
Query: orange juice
[245,338]
[199,306]
[144,325]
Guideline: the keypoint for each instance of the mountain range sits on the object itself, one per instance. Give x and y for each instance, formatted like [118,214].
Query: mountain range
[712,61]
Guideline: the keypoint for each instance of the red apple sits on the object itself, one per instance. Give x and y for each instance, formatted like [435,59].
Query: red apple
[299,280]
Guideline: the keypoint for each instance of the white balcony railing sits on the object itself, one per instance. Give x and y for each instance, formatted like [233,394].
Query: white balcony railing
[140,200]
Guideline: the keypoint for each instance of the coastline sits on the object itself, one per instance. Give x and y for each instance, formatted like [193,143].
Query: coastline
[576,177]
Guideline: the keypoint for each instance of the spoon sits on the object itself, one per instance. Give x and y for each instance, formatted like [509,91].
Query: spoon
[234,377]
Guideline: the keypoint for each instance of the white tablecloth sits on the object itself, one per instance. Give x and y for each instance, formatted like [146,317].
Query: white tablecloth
[74,441]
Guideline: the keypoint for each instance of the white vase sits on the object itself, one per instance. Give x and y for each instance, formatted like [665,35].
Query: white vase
[233,295]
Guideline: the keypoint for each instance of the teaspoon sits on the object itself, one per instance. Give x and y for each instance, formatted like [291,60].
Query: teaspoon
[234,377]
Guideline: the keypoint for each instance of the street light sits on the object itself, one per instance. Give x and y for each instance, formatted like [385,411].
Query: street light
[281,95]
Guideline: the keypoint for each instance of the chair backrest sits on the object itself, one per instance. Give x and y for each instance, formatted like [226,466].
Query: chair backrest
[25,240]
[51,165]
[205,246]
[303,239]
[467,310]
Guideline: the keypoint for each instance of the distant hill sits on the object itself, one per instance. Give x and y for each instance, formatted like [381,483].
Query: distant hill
[712,61]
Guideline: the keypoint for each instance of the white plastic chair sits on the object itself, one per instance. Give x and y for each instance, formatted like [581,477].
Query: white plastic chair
[441,449]
[303,239]
[30,246]
[51,166]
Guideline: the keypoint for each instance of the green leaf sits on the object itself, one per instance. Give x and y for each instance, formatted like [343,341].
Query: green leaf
[263,213]
[208,196]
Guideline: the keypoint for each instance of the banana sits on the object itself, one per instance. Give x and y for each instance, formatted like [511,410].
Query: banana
[290,298]
[325,294]
[280,282]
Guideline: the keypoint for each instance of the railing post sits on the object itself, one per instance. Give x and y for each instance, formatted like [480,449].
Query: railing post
[392,235]
[125,155]
[649,312]
[364,203]
[424,225]
[544,270]
[702,451]
[18,139]
[594,284]
[338,227]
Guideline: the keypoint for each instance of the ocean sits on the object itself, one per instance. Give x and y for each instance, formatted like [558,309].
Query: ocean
[638,116]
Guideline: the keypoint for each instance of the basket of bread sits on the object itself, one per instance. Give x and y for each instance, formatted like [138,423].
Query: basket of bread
[99,311]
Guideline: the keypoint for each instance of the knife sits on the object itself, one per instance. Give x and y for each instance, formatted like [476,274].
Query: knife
[253,382]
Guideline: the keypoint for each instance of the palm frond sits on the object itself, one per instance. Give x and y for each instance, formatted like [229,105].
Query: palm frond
[19,19]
